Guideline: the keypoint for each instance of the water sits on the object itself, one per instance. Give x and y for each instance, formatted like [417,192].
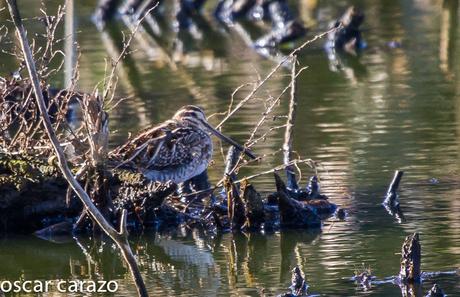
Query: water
[387,109]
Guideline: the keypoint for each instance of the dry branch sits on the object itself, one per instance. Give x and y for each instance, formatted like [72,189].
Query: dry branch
[120,239]
[391,202]
[391,198]
[272,72]
[288,136]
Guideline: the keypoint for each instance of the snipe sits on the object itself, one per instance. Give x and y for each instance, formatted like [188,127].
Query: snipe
[175,150]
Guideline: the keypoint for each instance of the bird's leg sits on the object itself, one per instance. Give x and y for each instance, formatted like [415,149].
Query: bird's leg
[185,189]
[201,183]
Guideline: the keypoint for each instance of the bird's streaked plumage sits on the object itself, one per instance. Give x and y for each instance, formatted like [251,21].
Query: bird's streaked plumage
[175,150]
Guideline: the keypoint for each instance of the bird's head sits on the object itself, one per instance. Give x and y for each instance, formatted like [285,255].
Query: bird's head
[192,115]
[195,116]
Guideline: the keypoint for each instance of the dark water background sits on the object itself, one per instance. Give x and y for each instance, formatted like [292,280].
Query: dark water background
[387,109]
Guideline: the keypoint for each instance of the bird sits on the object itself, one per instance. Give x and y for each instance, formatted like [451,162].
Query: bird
[176,150]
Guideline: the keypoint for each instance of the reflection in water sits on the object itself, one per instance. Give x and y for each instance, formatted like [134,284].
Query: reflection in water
[448,35]
[192,263]
[70,46]
[395,108]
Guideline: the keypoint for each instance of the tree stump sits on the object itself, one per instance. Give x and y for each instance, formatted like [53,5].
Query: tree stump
[254,206]
[235,204]
[293,214]
[411,259]
[435,291]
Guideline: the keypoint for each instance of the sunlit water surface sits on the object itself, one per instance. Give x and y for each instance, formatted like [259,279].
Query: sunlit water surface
[386,109]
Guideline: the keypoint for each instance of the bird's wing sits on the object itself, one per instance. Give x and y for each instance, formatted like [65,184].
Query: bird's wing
[166,146]
[133,147]
[183,146]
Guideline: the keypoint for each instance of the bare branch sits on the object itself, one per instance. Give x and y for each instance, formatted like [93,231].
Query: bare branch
[288,136]
[121,241]
[272,72]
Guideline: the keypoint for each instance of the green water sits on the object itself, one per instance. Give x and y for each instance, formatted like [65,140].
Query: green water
[387,109]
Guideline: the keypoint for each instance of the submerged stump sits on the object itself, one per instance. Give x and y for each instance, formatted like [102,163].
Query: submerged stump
[294,214]
[364,278]
[254,206]
[391,202]
[391,198]
[235,205]
[411,257]
[348,36]
[435,291]
[298,286]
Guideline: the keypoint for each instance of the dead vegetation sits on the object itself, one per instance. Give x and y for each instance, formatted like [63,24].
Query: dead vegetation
[43,151]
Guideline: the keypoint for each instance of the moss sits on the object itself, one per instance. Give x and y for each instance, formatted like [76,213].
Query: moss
[129,177]
[19,171]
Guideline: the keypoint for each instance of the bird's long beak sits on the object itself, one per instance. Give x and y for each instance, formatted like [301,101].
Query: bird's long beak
[230,141]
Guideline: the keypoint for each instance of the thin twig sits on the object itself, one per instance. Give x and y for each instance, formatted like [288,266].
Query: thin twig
[109,84]
[251,141]
[277,168]
[272,72]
